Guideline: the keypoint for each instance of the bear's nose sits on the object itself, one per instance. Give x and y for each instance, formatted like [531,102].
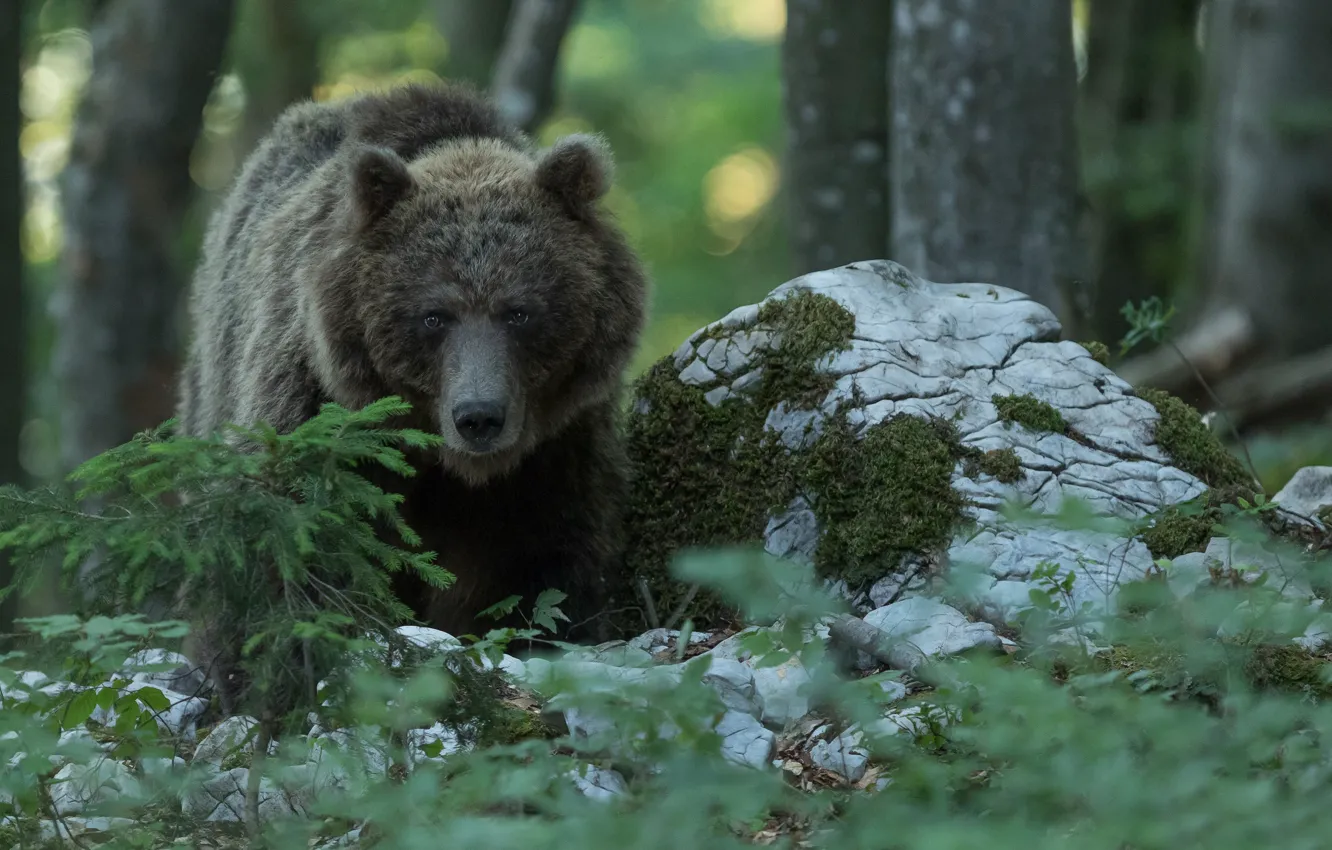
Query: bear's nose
[479,421]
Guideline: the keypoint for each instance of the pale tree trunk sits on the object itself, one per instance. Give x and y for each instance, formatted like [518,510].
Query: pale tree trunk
[125,193]
[280,68]
[1139,119]
[523,84]
[984,161]
[835,94]
[474,30]
[1264,246]
[13,305]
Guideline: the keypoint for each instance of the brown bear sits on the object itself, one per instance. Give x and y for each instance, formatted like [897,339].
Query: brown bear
[410,243]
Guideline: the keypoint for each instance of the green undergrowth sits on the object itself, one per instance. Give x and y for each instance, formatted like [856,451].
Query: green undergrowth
[709,476]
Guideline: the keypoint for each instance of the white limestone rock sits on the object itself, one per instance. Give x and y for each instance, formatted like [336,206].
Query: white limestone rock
[78,787]
[167,670]
[231,736]
[220,798]
[946,350]
[745,741]
[932,627]
[180,719]
[1307,492]
[598,783]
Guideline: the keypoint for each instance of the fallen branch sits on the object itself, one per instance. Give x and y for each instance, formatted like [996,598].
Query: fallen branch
[524,82]
[1298,388]
[858,634]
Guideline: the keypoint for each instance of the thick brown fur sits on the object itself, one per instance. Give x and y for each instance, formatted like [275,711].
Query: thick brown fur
[410,243]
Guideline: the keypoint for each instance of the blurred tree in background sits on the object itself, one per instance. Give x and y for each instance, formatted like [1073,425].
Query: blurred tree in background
[985,169]
[1054,146]
[13,304]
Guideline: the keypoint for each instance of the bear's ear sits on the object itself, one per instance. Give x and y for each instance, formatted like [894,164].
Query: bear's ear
[578,170]
[380,180]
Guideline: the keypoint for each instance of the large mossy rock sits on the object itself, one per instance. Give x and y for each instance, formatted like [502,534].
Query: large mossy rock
[874,425]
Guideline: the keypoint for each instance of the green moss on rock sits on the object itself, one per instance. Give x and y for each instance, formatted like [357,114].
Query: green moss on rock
[1003,464]
[1191,445]
[1029,411]
[711,476]
[1098,351]
[1286,668]
[1175,532]
[882,495]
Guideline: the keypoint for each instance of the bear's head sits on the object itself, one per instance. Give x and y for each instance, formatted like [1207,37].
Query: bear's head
[488,289]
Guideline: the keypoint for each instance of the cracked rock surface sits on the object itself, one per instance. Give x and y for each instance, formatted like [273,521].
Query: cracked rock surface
[946,350]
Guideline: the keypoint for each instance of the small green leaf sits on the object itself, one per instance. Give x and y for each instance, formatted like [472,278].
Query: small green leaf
[80,709]
[153,699]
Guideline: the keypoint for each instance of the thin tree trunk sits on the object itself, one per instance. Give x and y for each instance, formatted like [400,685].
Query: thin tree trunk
[474,30]
[125,193]
[835,94]
[13,305]
[984,161]
[281,68]
[1139,116]
[524,80]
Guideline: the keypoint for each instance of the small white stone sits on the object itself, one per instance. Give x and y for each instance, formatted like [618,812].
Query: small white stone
[932,627]
[231,736]
[745,741]
[717,395]
[844,755]
[598,783]
[1307,492]
[79,786]
[697,374]
[780,691]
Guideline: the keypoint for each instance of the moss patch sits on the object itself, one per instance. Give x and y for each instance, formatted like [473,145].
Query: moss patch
[1191,446]
[1029,411]
[1176,532]
[1002,464]
[1286,668]
[711,476]
[1098,351]
[883,495]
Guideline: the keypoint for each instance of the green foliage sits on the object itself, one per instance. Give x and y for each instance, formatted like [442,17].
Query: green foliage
[1148,322]
[1234,756]
[275,540]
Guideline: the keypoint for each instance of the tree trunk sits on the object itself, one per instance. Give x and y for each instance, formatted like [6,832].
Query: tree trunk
[835,94]
[13,305]
[125,193]
[1139,116]
[1268,187]
[984,160]
[1266,212]
[281,67]
[474,30]
[524,80]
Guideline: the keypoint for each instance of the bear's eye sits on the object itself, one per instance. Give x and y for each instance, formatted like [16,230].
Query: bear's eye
[434,321]
[516,317]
